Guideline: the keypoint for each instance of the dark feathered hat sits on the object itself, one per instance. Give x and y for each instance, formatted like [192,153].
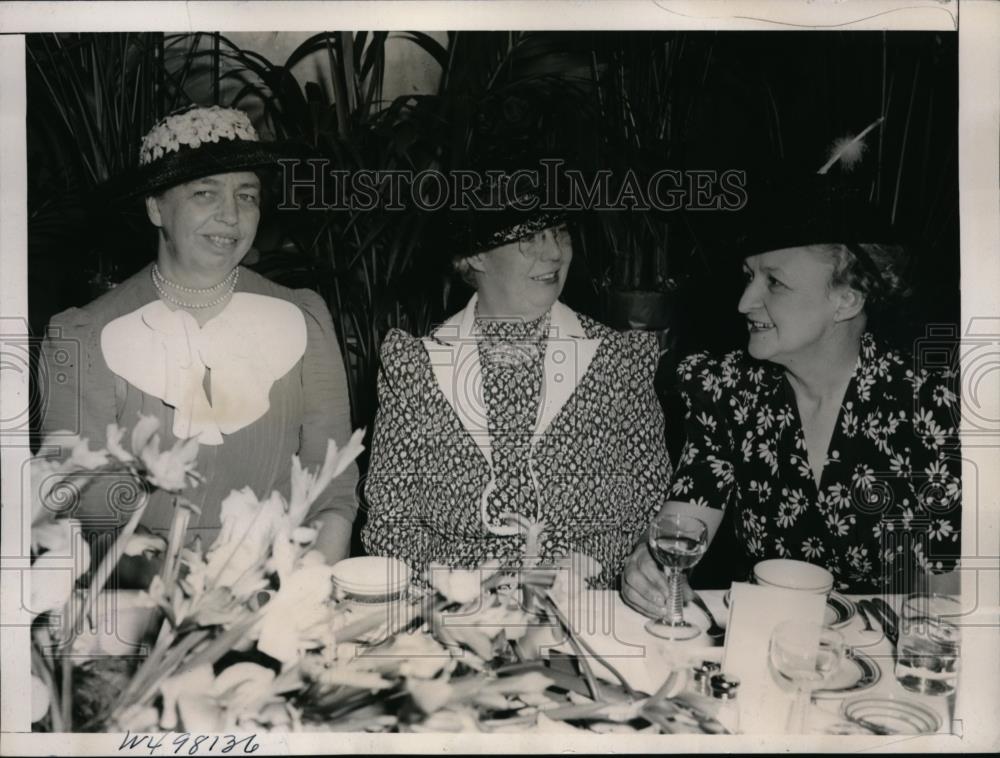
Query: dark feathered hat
[807,210]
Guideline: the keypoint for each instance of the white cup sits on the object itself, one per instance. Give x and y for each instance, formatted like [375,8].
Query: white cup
[793,575]
[370,579]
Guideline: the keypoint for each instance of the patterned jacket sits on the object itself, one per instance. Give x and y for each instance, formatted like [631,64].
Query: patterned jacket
[597,455]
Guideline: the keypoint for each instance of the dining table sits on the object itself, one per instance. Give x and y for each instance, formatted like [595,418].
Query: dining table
[617,634]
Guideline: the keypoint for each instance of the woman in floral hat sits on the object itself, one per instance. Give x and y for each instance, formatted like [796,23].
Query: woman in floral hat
[819,442]
[250,369]
[518,430]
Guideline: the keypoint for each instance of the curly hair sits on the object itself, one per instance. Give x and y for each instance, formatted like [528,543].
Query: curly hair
[878,271]
[461,268]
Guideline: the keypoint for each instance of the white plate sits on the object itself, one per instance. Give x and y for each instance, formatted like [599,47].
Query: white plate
[839,611]
[892,715]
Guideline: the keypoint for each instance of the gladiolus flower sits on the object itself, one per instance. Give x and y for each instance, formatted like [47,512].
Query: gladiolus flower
[171,470]
[456,585]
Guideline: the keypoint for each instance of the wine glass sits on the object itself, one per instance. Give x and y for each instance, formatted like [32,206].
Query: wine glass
[801,656]
[677,543]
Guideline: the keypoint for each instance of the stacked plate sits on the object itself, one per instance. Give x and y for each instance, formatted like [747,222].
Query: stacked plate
[370,579]
[858,672]
[890,715]
[839,611]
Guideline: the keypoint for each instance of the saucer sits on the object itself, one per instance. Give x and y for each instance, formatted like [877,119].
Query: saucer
[858,672]
[885,715]
[839,610]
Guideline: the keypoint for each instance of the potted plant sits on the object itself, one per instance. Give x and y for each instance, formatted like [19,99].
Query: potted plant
[83,130]
[646,87]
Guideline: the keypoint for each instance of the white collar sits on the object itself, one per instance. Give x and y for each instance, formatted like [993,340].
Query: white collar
[253,342]
[454,358]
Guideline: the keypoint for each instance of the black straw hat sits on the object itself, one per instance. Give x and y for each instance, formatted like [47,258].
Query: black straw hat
[834,205]
[193,143]
[808,210]
[502,212]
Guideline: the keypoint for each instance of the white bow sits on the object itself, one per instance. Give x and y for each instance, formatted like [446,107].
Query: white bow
[165,353]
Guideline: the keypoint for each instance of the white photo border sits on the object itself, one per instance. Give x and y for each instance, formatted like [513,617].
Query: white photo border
[976,21]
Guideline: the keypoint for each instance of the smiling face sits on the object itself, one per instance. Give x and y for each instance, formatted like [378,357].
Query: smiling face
[789,304]
[206,226]
[523,279]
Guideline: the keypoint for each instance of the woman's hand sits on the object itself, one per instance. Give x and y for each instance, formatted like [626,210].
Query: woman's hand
[645,586]
[334,538]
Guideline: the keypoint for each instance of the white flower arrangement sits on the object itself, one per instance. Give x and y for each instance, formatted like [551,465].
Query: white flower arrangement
[193,128]
[58,542]
[463,650]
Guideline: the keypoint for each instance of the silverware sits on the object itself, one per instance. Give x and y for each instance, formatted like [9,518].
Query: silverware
[864,616]
[891,620]
[714,630]
[873,727]
[877,611]
[865,606]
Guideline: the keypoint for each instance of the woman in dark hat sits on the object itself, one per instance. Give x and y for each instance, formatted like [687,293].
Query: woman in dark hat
[820,442]
[214,351]
[518,426]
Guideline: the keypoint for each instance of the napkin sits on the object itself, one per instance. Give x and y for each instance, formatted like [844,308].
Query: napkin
[754,612]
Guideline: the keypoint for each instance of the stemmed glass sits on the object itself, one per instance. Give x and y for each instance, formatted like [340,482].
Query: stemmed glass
[802,655]
[677,543]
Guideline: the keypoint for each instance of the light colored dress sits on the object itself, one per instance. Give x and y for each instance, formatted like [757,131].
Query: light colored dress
[258,383]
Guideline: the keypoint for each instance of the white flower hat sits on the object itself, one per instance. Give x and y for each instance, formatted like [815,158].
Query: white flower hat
[194,142]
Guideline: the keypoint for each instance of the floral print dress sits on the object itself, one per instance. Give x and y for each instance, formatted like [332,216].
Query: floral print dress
[888,501]
[595,477]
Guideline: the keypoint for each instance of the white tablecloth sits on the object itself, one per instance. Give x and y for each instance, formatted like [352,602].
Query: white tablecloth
[617,633]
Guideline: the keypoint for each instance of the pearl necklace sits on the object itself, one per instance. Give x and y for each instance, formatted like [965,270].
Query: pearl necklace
[232,279]
[157,274]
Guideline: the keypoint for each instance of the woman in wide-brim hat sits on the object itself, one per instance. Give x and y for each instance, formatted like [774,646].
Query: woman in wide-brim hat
[819,441]
[249,368]
[518,429]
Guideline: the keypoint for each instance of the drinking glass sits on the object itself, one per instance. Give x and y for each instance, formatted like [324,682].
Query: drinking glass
[677,543]
[801,656]
[927,654]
